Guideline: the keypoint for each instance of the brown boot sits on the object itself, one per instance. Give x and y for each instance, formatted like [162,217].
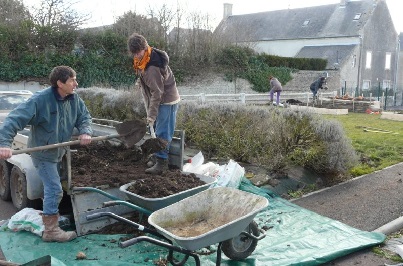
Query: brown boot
[52,232]
[160,166]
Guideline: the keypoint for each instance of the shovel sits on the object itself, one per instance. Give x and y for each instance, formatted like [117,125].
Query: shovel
[130,131]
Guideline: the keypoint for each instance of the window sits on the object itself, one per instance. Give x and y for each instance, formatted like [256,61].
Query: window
[357,16]
[387,61]
[369,60]
[353,61]
[366,84]
[306,22]
[386,84]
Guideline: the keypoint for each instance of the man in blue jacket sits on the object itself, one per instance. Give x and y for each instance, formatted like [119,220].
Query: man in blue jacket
[52,113]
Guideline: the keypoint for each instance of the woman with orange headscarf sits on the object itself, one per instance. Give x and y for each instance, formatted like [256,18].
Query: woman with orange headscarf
[160,94]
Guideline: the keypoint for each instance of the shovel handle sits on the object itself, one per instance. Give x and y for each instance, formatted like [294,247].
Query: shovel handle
[152,132]
[63,144]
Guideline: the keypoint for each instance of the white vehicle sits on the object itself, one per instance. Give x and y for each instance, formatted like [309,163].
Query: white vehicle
[10,100]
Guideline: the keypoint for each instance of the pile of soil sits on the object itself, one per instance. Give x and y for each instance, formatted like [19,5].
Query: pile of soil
[105,165]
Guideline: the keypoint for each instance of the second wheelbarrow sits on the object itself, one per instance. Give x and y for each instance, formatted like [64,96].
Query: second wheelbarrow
[218,215]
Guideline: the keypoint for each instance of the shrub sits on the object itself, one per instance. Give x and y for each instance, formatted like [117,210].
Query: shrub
[268,136]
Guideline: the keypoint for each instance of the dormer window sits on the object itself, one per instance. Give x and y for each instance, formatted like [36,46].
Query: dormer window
[357,16]
[306,22]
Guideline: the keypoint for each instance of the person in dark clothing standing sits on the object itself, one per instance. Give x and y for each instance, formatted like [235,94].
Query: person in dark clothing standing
[316,85]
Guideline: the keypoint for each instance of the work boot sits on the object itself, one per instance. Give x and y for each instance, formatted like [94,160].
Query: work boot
[160,166]
[52,232]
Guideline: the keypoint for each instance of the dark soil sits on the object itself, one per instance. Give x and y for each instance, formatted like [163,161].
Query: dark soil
[100,164]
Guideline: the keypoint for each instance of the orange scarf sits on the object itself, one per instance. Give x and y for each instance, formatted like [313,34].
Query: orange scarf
[140,64]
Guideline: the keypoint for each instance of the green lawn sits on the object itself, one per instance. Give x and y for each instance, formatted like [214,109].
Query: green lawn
[379,142]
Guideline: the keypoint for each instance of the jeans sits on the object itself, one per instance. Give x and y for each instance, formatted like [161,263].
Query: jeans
[165,126]
[52,188]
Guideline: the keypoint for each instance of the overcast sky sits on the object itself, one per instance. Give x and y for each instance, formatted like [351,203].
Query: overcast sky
[104,12]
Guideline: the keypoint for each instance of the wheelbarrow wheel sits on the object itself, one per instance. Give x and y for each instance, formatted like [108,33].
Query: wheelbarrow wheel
[241,246]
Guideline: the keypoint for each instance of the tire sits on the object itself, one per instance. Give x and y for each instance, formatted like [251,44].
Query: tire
[18,190]
[5,181]
[241,246]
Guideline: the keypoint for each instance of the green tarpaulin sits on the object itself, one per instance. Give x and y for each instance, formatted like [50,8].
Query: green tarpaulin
[293,236]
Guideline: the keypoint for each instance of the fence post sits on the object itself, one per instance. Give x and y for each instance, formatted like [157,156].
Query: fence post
[307,99]
[379,89]
[203,98]
[353,102]
[382,100]
[243,98]
[386,99]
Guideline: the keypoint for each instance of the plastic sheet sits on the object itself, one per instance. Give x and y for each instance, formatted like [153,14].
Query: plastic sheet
[294,236]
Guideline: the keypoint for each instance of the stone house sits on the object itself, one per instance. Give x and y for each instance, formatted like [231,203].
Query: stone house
[357,38]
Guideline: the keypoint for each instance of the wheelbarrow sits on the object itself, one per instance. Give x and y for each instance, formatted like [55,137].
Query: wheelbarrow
[88,200]
[218,215]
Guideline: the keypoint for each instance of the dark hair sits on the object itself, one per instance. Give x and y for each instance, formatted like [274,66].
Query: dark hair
[62,73]
[136,43]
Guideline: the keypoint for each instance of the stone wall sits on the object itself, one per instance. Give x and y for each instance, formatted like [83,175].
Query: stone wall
[22,85]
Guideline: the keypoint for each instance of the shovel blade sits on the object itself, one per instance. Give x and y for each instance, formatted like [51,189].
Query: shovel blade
[131,131]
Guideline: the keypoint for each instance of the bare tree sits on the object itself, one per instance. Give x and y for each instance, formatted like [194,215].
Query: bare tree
[58,14]
[131,22]
[12,12]
[165,15]
[175,40]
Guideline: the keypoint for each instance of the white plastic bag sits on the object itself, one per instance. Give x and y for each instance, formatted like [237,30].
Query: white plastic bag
[27,219]
[195,162]
[230,175]
[197,166]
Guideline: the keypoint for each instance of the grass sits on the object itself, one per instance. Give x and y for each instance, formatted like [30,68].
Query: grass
[383,252]
[378,141]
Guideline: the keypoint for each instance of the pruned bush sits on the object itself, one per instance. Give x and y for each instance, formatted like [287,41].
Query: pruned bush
[276,138]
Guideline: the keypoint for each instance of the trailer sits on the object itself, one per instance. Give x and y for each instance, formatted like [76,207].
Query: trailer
[20,183]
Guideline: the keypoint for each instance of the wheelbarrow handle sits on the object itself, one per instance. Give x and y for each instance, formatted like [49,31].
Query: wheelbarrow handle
[127,204]
[63,144]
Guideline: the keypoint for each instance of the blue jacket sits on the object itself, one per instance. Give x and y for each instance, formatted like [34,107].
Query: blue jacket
[52,120]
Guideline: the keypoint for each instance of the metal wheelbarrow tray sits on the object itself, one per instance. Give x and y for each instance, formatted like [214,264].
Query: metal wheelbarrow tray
[208,217]
[154,204]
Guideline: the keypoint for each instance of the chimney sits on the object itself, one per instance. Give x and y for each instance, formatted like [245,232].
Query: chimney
[227,10]
[343,3]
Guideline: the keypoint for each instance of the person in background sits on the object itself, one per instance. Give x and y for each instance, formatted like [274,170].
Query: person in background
[52,113]
[316,85]
[160,94]
[276,87]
